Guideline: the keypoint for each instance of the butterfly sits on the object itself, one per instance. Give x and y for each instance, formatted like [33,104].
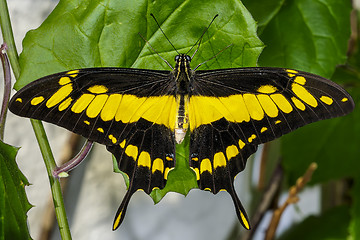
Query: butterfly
[139,115]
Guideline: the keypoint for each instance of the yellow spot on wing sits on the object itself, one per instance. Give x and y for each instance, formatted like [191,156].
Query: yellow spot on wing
[98,89]
[87,122]
[131,151]
[205,165]
[277,121]
[281,102]
[268,105]
[65,104]
[100,130]
[244,220]
[169,158]
[73,73]
[267,89]
[263,129]
[37,100]
[166,172]
[231,151]
[251,138]
[298,103]
[82,102]
[122,144]
[158,165]
[219,160]
[197,173]
[109,110]
[60,95]
[195,159]
[64,81]
[241,144]
[345,99]
[291,71]
[326,100]
[304,95]
[144,159]
[113,139]
[19,100]
[96,105]
[300,80]
[253,106]
[117,221]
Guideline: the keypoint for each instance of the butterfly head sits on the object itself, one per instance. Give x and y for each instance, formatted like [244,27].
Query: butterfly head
[182,62]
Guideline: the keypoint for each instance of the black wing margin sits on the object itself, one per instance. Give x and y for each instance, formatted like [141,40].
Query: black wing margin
[232,111]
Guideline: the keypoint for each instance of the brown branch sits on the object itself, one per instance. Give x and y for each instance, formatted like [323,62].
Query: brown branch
[292,198]
[266,202]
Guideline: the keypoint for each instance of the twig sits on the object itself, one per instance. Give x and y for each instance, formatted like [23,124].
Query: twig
[266,201]
[7,88]
[292,198]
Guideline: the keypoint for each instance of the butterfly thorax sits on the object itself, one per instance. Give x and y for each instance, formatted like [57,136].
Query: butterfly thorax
[182,74]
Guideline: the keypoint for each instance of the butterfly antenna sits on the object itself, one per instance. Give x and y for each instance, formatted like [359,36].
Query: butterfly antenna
[156,51]
[201,37]
[164,33]
[222,50]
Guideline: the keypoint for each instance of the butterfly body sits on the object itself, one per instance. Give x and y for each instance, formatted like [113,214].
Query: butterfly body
[141,114]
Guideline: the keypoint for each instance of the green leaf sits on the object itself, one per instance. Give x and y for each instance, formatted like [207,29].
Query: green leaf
[13,202]
[80,34]
[332,225]
[309,35]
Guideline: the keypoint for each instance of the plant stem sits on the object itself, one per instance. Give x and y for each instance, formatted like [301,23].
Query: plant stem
[38,127]
[8,36]
[54,182]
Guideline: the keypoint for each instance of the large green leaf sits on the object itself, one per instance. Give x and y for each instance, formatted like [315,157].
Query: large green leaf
[309,35]
[13,202]
[80,34]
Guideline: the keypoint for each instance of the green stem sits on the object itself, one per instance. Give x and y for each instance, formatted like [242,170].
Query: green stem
[8,36]
[38,127]
[54,182]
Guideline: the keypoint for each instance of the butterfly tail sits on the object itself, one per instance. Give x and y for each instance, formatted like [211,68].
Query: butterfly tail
[240,211]
[120,214]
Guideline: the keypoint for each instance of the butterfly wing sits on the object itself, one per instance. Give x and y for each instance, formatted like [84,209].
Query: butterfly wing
[131,111]
[232,111]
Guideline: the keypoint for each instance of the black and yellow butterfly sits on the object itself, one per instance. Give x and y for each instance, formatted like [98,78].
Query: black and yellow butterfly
[141,114]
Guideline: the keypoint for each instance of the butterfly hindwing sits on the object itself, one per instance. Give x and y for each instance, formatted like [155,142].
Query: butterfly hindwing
[146,156]
[232,111]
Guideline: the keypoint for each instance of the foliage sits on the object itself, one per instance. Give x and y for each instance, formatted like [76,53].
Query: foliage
[13,202]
